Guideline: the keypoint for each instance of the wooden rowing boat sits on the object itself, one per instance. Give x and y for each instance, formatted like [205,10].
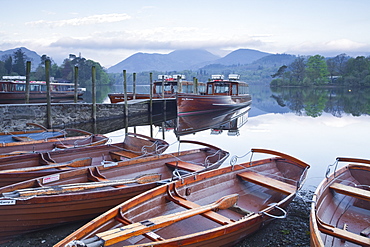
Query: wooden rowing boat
[14,169]
[214,208]
[20,137]
[71,138]
[340,211]
[87,192]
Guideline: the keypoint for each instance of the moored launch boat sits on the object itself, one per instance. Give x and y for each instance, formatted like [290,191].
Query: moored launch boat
[340,211]
[19,168]
[87,192]
[165,87]
[220,95]
[215,208]
[13,91]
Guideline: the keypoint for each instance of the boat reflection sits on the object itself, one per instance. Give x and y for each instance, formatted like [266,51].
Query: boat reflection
[217,122]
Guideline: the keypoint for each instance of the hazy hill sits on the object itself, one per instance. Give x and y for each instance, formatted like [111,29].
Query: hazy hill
[176,60]
[276,60]
[31,56]
[184,60]
[241,56]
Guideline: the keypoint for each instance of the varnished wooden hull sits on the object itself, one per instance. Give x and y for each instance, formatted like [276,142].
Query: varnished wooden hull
[20,215]
[225,227]
[120,97]
[340,218]
[37,97]
[190,104]
[21,137]
[21,148]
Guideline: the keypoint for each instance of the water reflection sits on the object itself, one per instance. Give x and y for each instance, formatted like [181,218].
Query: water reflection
[316,101]
[217,122]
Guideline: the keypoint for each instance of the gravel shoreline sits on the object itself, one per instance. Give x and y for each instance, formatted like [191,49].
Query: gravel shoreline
[294,230]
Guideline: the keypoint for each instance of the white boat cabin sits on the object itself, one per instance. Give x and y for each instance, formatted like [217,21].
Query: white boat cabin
[232,86]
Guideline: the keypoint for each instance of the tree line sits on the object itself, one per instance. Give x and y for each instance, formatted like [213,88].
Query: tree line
[16,65]
[317,70]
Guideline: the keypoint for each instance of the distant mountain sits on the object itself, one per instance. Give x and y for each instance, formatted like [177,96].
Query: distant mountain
[241,56]
[176,60]
[276,60]
[31,56]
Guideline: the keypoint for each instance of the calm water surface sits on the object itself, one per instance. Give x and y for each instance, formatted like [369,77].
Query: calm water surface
[315,126]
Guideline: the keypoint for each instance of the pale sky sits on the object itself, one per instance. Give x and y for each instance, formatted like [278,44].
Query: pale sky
[111,30]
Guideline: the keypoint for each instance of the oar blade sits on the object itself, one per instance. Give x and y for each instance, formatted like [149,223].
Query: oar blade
[227,201]
[148,178]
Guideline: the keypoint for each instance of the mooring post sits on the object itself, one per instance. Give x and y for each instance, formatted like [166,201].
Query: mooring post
[93,92]
[134,85]
[76,83]
[125,98]
[179,84]
[28,71]
[163,130]
[48,92]
[151,104]
[162,86]
[151,93]
[195,85]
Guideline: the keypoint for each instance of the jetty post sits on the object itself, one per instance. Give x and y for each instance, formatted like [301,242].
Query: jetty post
[48,93]
[125,99]
[76,83]
[134,85]
[151,103]
[195,85]
[162,86]
[28,72]
[179,84]
[93,92]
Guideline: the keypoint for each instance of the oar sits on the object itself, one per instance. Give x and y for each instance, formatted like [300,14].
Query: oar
[119,234]
[74,163]
[15,153]
[37,125]
[82,186]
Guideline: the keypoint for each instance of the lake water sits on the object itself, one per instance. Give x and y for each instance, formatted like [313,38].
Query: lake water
[314,125]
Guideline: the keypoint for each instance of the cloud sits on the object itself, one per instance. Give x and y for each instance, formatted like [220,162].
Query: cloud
[329,47]
[129,43]
[88,20]
[158,38]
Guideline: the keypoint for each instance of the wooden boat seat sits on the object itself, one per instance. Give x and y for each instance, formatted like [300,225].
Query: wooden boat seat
[351,191]
[150,235]
[185,166]
[343,234]
[116,155]
[209,215]
[268,182]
